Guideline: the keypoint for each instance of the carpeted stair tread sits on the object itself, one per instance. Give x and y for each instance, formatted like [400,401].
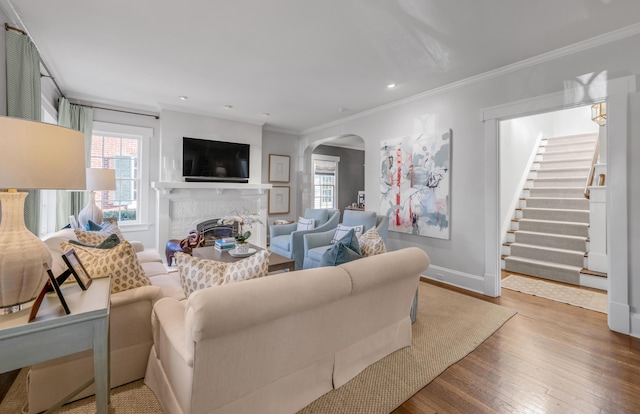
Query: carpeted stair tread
[543,269]
[562,203]
[565,154]
[571,192]
[549,254]
[559,241]
[552,226]
[563,163]
[558,182]
[553,214]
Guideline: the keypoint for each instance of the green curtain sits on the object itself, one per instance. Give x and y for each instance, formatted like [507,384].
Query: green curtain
[79,118]
[24,100]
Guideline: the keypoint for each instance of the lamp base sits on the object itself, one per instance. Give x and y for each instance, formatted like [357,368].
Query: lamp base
[22,255]
[90,212]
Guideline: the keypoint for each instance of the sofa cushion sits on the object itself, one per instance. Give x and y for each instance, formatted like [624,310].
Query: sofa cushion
[316,253]
[342,230]
[319,215]
[371,243]
[147,255]
[282,242]
[119,262]
[305,223]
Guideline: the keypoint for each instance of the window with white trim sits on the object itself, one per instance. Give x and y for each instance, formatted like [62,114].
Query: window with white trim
[122,148]
[325,180]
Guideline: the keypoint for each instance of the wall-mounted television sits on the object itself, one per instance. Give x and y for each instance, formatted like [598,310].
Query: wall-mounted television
[214,161]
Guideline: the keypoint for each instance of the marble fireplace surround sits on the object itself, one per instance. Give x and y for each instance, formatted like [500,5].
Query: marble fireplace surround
[182,205]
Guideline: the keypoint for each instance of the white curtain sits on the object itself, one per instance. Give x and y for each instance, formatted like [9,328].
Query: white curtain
[24,100]
[79,118]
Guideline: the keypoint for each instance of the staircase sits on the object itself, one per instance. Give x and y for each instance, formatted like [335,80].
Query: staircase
[550,232]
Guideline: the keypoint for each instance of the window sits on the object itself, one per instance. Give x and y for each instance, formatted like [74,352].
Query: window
[123,149]
[325,181]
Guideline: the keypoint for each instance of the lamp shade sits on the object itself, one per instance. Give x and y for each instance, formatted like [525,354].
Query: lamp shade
[36,155]
[101,179]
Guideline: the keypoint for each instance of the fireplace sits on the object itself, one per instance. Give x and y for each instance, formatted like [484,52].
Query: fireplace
[212,230]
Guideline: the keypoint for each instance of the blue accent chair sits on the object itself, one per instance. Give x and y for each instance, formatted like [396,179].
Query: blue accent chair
[287,241]
[315,244]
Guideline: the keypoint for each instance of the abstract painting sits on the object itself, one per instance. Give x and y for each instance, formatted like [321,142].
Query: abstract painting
[415,182]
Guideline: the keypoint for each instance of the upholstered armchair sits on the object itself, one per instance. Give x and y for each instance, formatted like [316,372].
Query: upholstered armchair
[286,240]
[315,244]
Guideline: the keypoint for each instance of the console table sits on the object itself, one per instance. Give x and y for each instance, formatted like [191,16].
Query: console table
[53,334]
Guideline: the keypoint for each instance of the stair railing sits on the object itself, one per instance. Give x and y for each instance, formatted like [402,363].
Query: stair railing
[592,171]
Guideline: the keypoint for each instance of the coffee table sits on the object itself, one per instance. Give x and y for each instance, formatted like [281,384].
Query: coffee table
[276,261]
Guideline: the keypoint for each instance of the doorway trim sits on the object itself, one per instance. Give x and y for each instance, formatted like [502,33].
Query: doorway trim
[617,95]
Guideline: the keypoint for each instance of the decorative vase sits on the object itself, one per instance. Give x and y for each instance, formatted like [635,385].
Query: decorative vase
[242,248]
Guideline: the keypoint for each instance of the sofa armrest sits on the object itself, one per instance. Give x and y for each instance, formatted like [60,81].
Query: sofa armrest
[281,229]
[150,293]
[313,240]
[169,321]
[137,246]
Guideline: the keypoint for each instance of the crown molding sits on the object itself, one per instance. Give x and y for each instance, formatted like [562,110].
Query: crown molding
[604,39]
[273,128]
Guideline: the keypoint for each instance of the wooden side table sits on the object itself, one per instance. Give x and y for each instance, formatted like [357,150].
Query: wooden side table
[53,334]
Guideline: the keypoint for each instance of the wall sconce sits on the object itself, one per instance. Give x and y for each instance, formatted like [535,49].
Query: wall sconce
[599,113]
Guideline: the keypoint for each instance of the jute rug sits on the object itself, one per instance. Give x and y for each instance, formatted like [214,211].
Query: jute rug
[449,326]
[587,299]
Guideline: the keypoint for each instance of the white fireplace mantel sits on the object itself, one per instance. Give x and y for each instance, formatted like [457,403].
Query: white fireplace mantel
[182,205]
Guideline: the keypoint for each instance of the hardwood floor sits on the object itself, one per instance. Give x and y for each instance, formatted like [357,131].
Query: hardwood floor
[549,358]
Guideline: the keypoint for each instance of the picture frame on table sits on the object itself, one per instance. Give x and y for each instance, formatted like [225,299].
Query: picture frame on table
[279,200]
[279,166]
[76,268]
[52,284]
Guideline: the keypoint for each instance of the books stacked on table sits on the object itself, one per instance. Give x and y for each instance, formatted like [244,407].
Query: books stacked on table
[226,243]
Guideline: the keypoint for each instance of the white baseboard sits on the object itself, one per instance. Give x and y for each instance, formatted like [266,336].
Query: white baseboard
[635,325]
[455,278]
[620,318]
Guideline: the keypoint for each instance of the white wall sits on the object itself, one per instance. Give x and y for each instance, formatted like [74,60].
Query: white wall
[176,125]
[280,143]
[518,138]
[461,259]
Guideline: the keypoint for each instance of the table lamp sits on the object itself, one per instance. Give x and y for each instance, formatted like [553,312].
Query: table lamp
[34,155]
[98,179]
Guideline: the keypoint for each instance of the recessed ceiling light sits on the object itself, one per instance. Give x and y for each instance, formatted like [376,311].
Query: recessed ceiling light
[391,85]
[266,114]
[183,98]
[228,107]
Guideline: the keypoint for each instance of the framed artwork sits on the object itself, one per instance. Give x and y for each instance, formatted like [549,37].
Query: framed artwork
[52,284]
[279,168]
[415,184]
[279,200]
[76,268]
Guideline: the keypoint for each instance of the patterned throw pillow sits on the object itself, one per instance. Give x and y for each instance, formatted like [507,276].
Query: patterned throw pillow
[256,265]
[107,243]
[119,262]
[305,224]
[342,231]
[371,243]
[196,273]
[97,237]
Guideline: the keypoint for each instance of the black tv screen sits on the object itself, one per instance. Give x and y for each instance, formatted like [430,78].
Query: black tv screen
[207,160]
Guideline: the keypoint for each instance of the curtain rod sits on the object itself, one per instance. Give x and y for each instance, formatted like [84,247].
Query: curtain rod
[7,27]
[118,110]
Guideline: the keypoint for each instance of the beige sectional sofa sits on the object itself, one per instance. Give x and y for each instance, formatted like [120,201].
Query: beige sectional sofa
[275,344]
[130,332]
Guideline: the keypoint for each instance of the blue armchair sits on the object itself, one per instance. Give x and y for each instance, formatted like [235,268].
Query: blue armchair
[287,241]
[316,244]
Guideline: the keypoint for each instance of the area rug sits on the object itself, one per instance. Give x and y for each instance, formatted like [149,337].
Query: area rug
[449,326]
[583,298]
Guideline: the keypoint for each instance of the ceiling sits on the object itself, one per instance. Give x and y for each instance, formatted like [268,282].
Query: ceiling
[305,63]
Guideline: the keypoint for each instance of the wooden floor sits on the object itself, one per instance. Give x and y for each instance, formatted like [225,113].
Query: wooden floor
[549,358]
